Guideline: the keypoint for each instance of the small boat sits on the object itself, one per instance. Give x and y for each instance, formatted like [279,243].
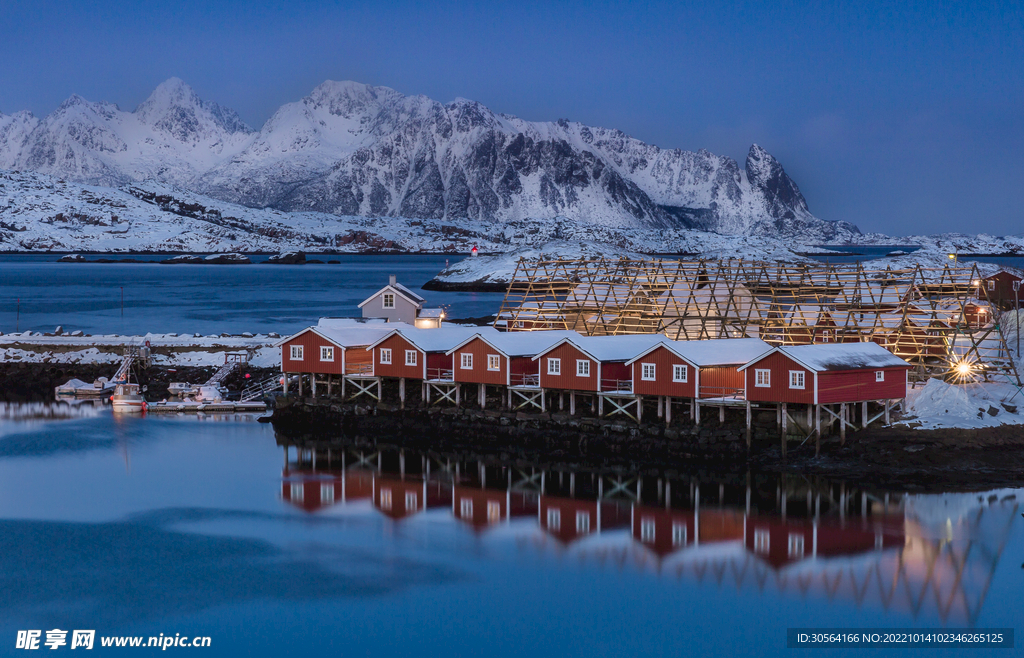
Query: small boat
[180,389]
[128,398]
[76,388]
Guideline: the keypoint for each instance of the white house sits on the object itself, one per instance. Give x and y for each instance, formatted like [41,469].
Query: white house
[396,303]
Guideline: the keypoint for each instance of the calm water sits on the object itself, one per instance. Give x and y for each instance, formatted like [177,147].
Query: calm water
[860,253]
[142,526]
[208,298]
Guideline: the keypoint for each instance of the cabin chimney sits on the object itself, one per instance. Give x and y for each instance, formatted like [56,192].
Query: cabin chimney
[392,279]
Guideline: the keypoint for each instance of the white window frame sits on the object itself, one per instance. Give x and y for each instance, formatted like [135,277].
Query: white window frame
[388,300]
[466,360]
[991,285]
[326,351]
[583,367]
[411,358]
[680,368]
[295,353]
[297,492]
[493,511]
[648,530]
[554,519]
[582,523]
[385,356]
[493,362]
[385,499]
[554,366]
[648,376]
[466,508]
[762,378]
[412,501]
[762,541]
[879,375]
[796,545]
[327,493]
[797,379]
[678,534]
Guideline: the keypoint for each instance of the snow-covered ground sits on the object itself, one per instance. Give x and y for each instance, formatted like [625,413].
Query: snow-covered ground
[974,405]
[168,349]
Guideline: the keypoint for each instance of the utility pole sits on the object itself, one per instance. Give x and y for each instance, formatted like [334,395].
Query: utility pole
[1016,317]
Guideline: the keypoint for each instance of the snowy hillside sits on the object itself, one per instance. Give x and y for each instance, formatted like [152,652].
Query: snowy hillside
[350,149]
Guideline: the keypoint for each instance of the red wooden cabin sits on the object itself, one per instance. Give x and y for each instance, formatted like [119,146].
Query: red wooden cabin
[502,359]
[333,347]
[998,289]
[826,374]
[593,363]
[423,354]
[680,368]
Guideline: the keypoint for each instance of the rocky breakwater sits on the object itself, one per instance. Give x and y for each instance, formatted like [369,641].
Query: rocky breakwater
[528,435]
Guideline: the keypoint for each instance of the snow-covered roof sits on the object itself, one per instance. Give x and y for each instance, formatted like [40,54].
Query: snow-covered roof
[611,348]
[713,352]
[399,290]
[837,356]
[348,333]
[440,339]
[431,313]
[521,343]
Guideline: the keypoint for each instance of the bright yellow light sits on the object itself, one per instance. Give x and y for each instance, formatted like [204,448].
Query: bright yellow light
[952,256]
[963,369]
[975,283]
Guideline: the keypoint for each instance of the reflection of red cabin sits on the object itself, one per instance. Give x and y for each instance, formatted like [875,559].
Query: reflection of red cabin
[665,531]
[826,374]
[483,508]
[314,491]
[569,519]
[779,542]
[399,498]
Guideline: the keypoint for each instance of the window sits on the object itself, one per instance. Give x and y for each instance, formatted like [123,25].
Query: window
[326,353]
[647,529]
[991,285]
[554,519]
[582,368]
[493,511]
[385,356]
[826,336]
[796,545]
[762,541]
[679,372]
[678,534]
[411,501]
[762,378]
[647,372]
[466,360]
[389,300]
[796,378]
[410,357]
[554,366]
[385,499]
[327,494]
[583,523]
[466,508]
[493,362]
[297,491]
[879,375]
[295,354]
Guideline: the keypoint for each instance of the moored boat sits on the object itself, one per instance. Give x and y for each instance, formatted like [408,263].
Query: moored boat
[128,398]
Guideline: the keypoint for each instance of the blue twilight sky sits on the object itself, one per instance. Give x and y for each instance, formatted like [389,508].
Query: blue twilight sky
[902,117]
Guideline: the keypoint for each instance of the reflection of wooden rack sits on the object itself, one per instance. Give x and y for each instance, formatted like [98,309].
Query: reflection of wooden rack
[931,317]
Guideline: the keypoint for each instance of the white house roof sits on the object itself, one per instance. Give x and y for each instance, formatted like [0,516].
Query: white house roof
[348,335]
[431,313]
[399,290]
[838,356]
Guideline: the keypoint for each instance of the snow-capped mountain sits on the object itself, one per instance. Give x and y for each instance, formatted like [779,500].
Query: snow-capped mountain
[356,150]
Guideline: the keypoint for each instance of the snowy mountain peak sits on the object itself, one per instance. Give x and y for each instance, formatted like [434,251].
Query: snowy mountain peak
[175,109]
[780,191]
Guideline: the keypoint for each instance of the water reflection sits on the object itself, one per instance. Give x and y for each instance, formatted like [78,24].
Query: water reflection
[781,536]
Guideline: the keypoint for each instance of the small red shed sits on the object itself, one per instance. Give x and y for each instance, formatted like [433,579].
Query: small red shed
[593,363]
[502,359]
[680,368]
[826,374]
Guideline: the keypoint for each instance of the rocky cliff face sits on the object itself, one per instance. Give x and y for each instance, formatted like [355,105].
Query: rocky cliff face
[353,149]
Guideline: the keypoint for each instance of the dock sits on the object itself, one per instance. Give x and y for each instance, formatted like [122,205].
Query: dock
[222,407]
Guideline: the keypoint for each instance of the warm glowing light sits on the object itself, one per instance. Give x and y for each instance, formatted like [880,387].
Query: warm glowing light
[951,256]
[975,283]
[963,369]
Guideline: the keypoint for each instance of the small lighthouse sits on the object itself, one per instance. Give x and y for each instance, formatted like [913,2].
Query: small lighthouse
[474,251]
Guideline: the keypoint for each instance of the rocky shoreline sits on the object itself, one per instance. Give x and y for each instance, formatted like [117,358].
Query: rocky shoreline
[895,457]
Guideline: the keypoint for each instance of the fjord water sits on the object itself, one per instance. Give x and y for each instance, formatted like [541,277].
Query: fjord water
[208,299]
[142,526]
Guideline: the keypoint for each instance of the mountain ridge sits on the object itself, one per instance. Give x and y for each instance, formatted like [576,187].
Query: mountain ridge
[352,149]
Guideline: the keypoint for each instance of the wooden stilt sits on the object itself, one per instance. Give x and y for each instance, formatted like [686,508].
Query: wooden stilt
[888,406]
[668,410]
[284,376]
[458,395]
[785,416]
[401,392]
[661,402]
[696,412]
[842,424]
[543,401]
[312,384]
[600,405]
[300,384]
[639,409]
[572,403]
[817,430]
[749,423]
[330,383]
[380,381]
[721,414]
[483,396]
[864,414]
